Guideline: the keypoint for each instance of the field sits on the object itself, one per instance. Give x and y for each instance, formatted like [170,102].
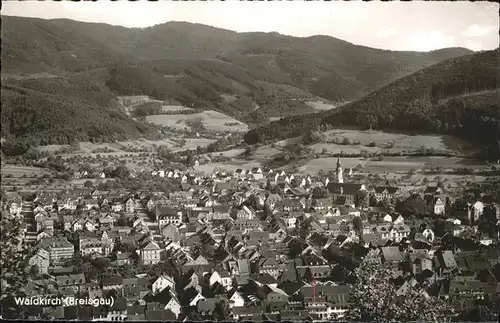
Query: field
[287,142]
[27,171]
[22,176]
[174,108]
[129,103]
[211,120]
[336,148]
[233,153]
[265,153]
[320,105]
[400,142]
[387,165]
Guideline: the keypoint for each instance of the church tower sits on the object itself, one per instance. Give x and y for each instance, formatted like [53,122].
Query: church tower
[340,174]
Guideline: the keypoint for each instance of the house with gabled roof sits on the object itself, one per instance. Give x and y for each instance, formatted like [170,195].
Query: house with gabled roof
[382,193]
[59,248]
[42,260]
[326,301]
[162,282]
[168,299]
[391,254]
[150,254]
[437,203]
[246,213]
[433,190]
[395,232]
[15,206]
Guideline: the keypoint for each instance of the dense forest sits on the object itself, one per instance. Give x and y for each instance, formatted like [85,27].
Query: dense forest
[458,96]
[41,118]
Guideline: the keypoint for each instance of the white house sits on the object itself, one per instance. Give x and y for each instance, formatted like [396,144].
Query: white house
[478,209]
[236,300]
[387,218]
[226,280]
[290,221]
[89,226]
[196,299]
[215,278]
[161,283]
[245,213]
[173,304]
[428,234]
[332,212]
[399,220]
[439,206]
[76,226]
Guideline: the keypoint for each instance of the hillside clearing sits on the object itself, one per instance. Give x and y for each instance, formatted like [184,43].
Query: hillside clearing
[320,105]
[211,120]
[174,108]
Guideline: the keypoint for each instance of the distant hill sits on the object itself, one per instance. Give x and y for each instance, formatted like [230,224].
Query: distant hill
[197,65]
[458,96]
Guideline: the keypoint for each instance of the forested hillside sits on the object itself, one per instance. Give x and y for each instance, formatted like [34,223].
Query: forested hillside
[40,117]
[458,96]
[203,67]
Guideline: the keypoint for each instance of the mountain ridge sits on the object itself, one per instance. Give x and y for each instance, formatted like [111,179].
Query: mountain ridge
[199,65]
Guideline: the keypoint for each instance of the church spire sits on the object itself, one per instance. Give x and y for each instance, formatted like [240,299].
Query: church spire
[340,173]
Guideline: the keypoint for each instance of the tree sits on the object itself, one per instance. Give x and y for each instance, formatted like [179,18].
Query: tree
[374,299]
[222,311]
[319,193]
[88,184]
[358,224]
[121,172]
[34,270]
[15,274]
[362,198]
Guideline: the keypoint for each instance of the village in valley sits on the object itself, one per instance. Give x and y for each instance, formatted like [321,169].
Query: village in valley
[254,244]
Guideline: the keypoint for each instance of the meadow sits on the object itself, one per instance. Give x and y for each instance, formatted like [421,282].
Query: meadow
[396,141]
[211,120]
[20,171]
[320,105]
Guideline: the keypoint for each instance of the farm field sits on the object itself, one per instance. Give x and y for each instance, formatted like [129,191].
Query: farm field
[265,152]
[387,165]
[192,143]
[229,153]
[320,105]
[27,171]
[291,141]
[212,120]
[174,108]
[120,148]
[348,149]
[401,141]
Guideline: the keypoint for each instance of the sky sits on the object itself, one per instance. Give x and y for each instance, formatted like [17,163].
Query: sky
[416,26]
